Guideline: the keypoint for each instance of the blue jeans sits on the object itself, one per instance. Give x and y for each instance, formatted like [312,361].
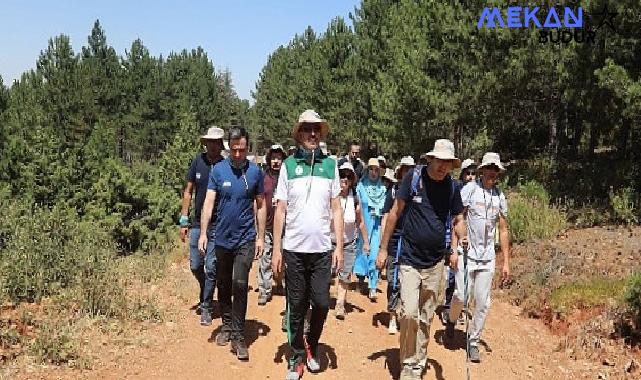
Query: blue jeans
[203,268]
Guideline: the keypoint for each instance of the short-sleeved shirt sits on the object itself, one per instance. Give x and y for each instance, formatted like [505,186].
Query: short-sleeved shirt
[235,190]
[483,209]
[426,213]
[308,189]
[199,175]
[269,185]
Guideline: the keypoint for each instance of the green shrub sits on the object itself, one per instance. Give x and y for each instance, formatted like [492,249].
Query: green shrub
[48,251]
[623,204]
[531,216]
[633,297]
[55,343]
[595,292]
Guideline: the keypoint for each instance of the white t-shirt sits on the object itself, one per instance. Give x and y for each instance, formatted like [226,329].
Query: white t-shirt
[350,230]
[483,210]
[309,209]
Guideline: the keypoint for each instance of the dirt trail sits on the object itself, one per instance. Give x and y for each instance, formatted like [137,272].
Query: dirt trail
[357,348]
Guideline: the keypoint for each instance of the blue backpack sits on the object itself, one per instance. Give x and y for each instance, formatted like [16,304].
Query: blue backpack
[417,185]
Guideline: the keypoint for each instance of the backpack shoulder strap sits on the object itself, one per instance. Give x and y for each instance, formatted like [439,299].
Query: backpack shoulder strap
[417,184]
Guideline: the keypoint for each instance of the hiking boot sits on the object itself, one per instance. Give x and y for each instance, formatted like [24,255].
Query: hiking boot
[223,338]
[372,295]
[474,354]
[295,371]
[410,373]
[340,311]
[205,317]
[239,348]
[393,327]
[263,298]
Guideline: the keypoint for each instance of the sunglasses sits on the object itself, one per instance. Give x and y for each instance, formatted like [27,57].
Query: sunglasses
[345,175]
[470,172]
[309,128]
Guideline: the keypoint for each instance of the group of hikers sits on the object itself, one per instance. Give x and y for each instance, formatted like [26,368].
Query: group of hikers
[309,217]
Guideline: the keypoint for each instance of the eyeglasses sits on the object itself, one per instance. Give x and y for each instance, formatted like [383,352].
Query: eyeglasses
[309,128]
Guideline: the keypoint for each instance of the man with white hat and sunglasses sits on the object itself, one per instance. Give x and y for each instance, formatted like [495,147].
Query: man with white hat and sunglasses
[468,174]
[308,194]
[203,266]
[274,160]
[485,208]
[430,200]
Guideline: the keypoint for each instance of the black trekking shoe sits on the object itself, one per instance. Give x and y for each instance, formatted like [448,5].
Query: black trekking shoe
[239,348]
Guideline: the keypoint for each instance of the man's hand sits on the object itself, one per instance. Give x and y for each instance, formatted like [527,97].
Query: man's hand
[337,259]
[366,247]
[277,261]
[381,259]
[259,248]
[505,274]
[202,244]
[183,233]
[454,261]
[464,242]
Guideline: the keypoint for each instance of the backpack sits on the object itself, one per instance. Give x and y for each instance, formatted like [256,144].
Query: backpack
[417,185]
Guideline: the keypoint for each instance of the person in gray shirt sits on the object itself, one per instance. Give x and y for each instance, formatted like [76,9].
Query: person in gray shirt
[485,208]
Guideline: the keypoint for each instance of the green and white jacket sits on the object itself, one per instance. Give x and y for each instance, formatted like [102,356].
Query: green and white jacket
[308,184]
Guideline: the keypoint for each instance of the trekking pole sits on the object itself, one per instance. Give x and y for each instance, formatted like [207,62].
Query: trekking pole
[465,311]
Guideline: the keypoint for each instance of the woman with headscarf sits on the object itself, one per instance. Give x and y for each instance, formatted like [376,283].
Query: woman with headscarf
[371,193]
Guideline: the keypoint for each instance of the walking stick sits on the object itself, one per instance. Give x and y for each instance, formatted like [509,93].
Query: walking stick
[465,311]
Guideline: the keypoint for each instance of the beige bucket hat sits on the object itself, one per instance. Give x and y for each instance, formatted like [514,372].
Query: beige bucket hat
[373,162]
[213,133]
[389,174]
[444,150]
[311,116]
[491,158]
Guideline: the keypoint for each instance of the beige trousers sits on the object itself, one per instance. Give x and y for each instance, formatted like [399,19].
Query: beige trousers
[419,294]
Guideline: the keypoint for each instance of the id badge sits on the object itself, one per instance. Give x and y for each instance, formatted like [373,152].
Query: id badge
[488,229]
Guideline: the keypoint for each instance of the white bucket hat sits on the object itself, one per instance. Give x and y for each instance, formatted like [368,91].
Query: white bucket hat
[467,163]
[213,133]
[444,150]
[311,116]
[347,166]
[407,161]
[389,174]
[276,148]
[491,158]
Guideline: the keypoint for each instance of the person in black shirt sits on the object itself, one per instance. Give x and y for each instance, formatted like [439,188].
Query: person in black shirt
[393,286]
[202,266]
[354,158]
[429,199]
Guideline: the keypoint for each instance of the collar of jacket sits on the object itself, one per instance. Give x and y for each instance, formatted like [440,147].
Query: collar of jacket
[304,155]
